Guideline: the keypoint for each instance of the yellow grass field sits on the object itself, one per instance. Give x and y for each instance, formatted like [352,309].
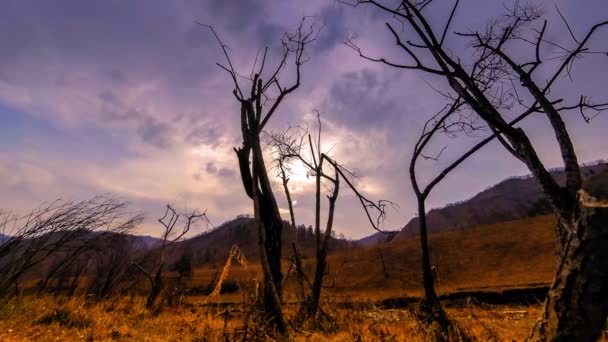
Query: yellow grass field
[126,319]
[494,258]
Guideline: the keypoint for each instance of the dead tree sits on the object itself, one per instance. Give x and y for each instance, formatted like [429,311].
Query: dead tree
[73,258]
[296,144]
[283,168]
[446,122]
[66,264]
[449,121]
[259,100]
[111,261]
[170,235]
[56,229]
[493,84]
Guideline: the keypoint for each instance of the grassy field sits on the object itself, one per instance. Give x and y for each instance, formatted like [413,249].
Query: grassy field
[45,319]
[516,254]
[493,258]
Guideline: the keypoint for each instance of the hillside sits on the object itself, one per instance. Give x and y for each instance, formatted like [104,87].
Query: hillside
[213,247]
[376,238]
[505,255]
[512,199]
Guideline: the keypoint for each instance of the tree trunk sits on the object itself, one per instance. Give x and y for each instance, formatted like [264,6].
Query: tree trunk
[431,312]
[296,254]
[157,286]
[427,276]
[315,294]
[300,276]
[270,227]
[266,211]
[577,304]
[323,245]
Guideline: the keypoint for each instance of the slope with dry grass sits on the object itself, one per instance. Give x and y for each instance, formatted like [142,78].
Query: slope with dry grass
[495,257]
[504,255]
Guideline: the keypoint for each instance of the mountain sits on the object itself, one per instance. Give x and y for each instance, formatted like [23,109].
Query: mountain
[376,238]
[512,199]
[213,247]
[146,241]
[4,238]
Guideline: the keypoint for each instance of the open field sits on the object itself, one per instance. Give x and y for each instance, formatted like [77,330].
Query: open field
[45,319]
[491,278]
[509,255]
[126,319]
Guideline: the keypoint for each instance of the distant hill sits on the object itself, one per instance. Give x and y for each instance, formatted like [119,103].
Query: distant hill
[147,241]
[213,247]
[376,238]
[4,238]
[140,242]
[512,199]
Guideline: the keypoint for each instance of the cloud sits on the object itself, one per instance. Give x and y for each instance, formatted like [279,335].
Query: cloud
[334,30]
[223,172]
[238,15]
[155,133]
[125,97]
[360,99]
[205,133]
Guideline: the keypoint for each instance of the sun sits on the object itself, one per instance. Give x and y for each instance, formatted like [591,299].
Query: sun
[300,173]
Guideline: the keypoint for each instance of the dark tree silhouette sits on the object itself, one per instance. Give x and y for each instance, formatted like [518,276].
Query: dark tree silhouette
[493,83]
[55,229]
[259,101]
[284,170]
[446,122]
[170,235]
[110,265]
[297,144]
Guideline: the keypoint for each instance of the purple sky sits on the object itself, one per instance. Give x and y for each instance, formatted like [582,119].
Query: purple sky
[124,97]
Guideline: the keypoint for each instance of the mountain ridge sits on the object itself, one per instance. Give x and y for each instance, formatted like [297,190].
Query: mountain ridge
[511,199]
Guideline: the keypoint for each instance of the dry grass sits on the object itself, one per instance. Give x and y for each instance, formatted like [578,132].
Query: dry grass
[495,257]
[126,319]
[499,256]
[507,255]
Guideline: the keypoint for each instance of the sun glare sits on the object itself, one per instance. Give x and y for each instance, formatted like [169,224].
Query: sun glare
[299,174]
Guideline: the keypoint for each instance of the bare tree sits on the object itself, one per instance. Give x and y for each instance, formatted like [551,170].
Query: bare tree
[493,83]
[170,235]
[259,99]
[70,278]
[72,261]
[431,310]
[296,144]
[57,228]
[110,264]
[283,171]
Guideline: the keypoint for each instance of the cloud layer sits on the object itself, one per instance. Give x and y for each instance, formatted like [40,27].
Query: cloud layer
[124,97]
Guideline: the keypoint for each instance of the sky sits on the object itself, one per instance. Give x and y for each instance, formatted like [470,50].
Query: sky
[124,97]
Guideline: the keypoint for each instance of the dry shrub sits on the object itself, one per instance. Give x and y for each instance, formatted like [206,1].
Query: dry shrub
[236,254]
[254,326]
